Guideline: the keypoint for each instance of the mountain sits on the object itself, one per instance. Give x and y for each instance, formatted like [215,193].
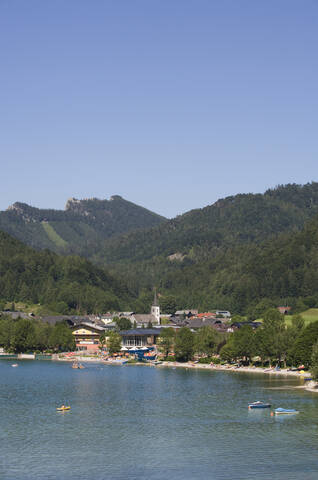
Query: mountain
[64,284]
[204,257]
[80,227]
[234,220]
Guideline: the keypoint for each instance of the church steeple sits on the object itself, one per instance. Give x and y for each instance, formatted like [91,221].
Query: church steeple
[155,299]
[155,308]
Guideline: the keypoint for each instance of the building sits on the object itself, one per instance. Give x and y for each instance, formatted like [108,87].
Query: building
[237,325]
[186,313]
[86,337]
[140,337]
[152,318]
[284,310]
[224,313]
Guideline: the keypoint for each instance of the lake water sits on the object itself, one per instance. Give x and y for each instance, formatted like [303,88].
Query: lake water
[134,422]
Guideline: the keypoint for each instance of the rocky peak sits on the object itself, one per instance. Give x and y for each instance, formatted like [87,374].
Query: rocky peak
[23,210]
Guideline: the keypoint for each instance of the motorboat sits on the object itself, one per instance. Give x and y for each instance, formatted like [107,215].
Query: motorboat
[14,365]
[259,405]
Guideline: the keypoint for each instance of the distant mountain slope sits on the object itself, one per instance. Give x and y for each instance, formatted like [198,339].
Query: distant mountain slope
[63,283]
[231,221]
[80,227]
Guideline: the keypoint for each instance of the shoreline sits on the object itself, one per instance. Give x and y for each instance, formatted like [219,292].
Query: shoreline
[310,386]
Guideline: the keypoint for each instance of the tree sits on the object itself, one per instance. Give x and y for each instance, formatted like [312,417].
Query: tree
[61,338]
[274,335]
[244,342]
[206,340]
[184,345]
[166,339]
[228,351]
[168,304]
[314,362]
[123,323]
[302,350]
[23,337]
[113,342]
[102,341]
[6,332]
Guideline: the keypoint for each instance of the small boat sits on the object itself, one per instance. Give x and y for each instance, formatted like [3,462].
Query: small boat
[259,405]
[63,408]
[14,365]
[285,411]
[77,365]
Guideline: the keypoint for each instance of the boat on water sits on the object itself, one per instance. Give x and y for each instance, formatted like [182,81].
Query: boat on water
[77,365]
[63,408]
[285,411]
[259,405]
[14,365]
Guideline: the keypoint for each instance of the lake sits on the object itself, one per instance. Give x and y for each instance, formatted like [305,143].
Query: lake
[134,422]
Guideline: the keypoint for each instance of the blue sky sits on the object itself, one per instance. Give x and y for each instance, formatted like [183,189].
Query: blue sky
[170,103]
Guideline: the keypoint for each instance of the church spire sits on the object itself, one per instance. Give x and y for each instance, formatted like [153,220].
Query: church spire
[155,299]
[155,309]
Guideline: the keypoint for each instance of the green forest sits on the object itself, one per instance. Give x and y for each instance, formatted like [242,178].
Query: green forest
[68,284]
[30,335]
[80,228]
[245,253]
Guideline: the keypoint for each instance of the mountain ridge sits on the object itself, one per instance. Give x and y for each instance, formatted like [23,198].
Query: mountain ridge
[82,224]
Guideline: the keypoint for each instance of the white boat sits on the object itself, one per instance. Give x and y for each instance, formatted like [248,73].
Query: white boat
[285,411]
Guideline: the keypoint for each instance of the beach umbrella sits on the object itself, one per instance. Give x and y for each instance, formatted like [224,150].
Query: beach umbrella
[132,349]
[124,349]
[144,348]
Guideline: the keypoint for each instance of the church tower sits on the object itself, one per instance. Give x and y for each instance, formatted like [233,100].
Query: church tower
[155,309]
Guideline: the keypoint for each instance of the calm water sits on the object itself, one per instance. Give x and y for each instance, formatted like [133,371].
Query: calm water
[151,423]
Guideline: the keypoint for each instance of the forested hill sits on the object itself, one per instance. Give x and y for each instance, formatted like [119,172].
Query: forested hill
[80,227]
[250,278]
[64,284]
[231,221]
[245,279]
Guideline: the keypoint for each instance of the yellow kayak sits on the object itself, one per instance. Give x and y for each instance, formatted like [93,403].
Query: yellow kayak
[62,409]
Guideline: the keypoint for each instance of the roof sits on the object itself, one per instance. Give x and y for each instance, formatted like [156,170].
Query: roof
[186,312]
[140,331]
[145,318]
[206,314]
[198,322]
[244,324]
[71,319]
[90,325]
[15,315]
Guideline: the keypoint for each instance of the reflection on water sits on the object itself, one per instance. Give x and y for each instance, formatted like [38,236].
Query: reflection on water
[152,423]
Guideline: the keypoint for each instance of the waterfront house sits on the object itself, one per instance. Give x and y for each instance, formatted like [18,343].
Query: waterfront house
[86,337]
[140,337]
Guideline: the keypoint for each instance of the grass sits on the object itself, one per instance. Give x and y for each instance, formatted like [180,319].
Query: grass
[53,235]
[309,316]
[37,309]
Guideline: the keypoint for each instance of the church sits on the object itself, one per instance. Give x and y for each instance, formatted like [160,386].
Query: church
[153,318]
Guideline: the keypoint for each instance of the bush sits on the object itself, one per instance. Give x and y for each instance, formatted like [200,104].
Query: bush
[216,360]
[205,360]
[170,359]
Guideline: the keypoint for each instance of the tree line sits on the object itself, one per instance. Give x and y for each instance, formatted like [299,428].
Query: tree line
[25,335]
[272,343]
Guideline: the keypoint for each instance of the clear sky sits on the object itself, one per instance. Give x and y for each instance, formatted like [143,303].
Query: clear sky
[170,103]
